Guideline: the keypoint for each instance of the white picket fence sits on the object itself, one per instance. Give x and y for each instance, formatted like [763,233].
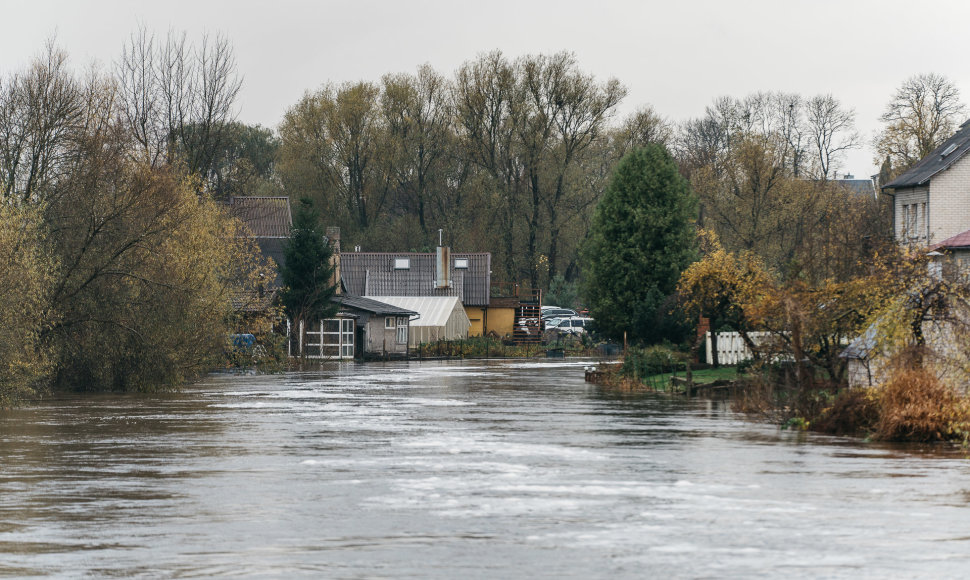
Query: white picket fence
[731,348]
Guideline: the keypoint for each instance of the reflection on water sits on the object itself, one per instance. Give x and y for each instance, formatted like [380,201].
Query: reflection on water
[492,469]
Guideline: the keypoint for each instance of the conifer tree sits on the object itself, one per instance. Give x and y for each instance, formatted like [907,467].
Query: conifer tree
[641,239]
[307,271]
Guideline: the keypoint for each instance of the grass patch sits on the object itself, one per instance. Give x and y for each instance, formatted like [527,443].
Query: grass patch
[661,381]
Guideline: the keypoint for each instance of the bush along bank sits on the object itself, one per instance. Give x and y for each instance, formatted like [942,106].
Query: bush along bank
[913,404]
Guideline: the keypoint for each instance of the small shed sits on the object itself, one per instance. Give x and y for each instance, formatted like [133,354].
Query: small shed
[382,327]
[440,317]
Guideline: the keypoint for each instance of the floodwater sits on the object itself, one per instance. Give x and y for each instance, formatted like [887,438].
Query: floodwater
[498,469]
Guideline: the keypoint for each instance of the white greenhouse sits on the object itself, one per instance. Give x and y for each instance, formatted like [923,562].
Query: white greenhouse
[440,317]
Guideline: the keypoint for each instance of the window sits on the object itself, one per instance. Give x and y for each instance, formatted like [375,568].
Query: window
[389,323]
[336,338]
[347,338]
[924,221]
[402,263]
[402,330]
[461,263]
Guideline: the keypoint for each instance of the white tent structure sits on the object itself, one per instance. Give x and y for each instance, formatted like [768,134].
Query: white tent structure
[441,317]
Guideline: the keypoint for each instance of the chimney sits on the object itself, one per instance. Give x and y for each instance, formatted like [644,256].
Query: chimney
[442,271]
[333,238]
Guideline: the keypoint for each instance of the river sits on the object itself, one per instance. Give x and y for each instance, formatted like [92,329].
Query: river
[474,469]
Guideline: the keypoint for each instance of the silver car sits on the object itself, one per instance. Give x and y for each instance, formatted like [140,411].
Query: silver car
[570,325]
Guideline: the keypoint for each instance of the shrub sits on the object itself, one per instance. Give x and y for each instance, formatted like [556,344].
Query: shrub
[914,405]
[854,411]
[652,360]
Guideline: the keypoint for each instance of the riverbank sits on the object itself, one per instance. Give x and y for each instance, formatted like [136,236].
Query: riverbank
[914,406]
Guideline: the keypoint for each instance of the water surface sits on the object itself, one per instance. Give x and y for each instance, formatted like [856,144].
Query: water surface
[497,469]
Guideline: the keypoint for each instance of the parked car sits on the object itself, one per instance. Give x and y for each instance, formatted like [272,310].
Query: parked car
[549,312]
[570,325]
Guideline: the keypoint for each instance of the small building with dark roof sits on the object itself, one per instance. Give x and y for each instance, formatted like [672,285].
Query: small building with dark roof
[931,201]
[382,330]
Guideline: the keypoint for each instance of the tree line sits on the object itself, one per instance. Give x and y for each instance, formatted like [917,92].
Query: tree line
[122,261]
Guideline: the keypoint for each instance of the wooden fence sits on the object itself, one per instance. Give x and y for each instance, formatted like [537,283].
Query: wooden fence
[731,348]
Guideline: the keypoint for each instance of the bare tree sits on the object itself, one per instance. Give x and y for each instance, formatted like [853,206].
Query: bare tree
[831,130]
[40,115]
[642,127]
[419,113]
[923,113]
[178,101]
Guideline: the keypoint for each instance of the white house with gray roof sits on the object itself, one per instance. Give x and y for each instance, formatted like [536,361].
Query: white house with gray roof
[931,201]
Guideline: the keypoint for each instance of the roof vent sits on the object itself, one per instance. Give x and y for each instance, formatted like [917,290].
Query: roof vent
[950,149]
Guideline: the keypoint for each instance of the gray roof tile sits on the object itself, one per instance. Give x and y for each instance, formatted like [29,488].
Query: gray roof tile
[374,274]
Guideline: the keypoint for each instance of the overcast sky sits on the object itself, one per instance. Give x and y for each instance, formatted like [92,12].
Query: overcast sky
[675,56]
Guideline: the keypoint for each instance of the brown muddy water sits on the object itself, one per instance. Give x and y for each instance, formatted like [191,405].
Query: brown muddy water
[500,469]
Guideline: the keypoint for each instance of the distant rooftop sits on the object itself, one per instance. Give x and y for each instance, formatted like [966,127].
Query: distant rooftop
[264,217]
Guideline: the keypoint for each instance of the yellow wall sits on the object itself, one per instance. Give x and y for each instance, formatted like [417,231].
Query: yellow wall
[501,321]
[475,315]
[498,320]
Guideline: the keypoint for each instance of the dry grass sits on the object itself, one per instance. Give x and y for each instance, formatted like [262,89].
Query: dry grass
[916,406]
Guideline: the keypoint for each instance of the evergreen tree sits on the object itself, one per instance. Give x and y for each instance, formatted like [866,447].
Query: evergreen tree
[307,273]
[641,239]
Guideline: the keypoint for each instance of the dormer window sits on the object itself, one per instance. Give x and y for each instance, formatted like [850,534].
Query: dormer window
[461,263]
[402,263]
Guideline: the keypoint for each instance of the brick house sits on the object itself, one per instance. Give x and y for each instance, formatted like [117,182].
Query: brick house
[931,201]
[931,213]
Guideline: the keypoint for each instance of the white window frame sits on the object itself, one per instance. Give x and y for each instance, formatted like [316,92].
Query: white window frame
[402,263]
[347,337]
[402,330]
[461,263]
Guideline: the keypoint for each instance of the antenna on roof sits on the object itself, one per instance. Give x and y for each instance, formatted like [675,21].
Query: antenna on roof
[439,236]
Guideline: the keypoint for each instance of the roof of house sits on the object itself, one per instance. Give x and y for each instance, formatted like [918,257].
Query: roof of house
[264,217]
[959,241]
[370,305]
[863,345]
[858,186]
[252,300]
[375,274]
[434,310]
[944,156]
[266,220]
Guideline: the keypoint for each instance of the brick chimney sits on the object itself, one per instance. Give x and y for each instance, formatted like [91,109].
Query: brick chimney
[333,238]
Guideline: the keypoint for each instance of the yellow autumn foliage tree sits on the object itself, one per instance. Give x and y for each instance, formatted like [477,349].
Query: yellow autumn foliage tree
[808,323]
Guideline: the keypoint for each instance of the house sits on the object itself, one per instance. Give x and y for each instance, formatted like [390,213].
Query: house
[490,308]
[382,329]
[442,317]
[930,201]
[268,221]
[931,213]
